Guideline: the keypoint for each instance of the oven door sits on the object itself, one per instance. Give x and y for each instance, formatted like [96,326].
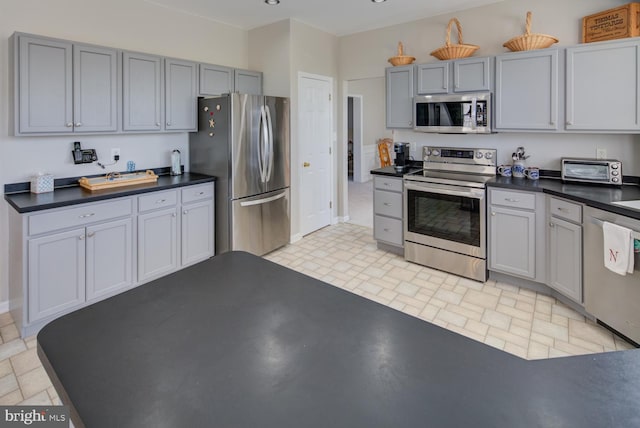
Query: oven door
[446,216]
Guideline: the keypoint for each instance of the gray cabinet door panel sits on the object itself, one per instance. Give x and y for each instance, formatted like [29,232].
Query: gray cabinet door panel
[527,90]
[565,258]
[157,244]
[45,86]
[399,91]
[95,89]
[181,97]
[433,78]
[56,273]
[197,232]
[603,88]
[473,74]
[109,258]
[248,82]
[512,241]
[215,80]
[141,92]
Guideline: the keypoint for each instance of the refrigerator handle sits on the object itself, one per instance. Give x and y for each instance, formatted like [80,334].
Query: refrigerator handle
[263,201]
[261,146]
[270,143]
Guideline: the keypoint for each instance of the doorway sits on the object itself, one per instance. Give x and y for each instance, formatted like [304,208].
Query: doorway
[360,189]
[315,130]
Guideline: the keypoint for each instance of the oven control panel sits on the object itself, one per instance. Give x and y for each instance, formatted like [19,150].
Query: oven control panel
[457,155]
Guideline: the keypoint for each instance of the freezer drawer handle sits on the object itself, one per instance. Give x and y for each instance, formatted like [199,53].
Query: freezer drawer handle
[262,201]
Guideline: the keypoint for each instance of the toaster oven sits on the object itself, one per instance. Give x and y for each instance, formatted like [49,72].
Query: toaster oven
[603,171]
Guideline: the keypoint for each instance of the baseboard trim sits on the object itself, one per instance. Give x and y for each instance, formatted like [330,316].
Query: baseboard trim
[4,307]
[295,238]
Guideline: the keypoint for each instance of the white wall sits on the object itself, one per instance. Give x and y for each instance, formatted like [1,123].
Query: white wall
[126,24]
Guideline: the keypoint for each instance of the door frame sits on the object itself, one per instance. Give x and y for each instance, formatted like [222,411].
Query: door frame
[332,153]
[358,123]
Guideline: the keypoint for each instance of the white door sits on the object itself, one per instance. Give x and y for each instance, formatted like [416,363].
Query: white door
[315,131]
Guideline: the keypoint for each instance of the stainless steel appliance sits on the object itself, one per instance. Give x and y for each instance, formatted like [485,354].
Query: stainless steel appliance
[401,162]
[454,113]
[603,171]
[613,299]
[243,140]
[445,215]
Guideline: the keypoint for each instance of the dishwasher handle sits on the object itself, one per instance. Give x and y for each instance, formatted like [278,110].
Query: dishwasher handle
[600,223]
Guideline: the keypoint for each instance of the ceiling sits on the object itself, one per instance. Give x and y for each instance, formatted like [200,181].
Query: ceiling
[338,17]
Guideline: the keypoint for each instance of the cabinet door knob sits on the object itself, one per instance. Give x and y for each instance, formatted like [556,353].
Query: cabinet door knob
[493,214]
[551,224]
[90,234]
[306,164]
[185,212]
[69,124]
[78,123]
[569,122]
[81,237]
[157,123]
[168,123]
[173,215]
[387,204]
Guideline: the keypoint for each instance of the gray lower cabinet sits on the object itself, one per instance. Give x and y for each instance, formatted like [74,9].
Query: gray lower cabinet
[65,258]
[387,211]
[606,72]
[142,89]
[181,95]
[514,246]
[526,96]
[247,82]
[215,80]
[63,87]
[564,231]
[399,96]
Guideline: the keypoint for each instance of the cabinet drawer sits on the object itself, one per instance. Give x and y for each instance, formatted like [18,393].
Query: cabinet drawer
[79,216]
[565,209]
[509,198]
[388,230]
[197,193]
[386,183]
[155,200]
[388,203]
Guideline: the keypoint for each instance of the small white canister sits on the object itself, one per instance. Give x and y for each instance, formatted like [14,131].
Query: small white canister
[42,183]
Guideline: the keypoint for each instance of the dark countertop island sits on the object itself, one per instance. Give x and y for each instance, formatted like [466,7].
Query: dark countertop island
[25,201]
[238,341]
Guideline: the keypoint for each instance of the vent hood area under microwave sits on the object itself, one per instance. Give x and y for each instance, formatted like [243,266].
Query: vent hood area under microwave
[468,113]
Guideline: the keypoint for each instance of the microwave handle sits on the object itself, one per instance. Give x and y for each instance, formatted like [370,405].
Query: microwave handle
[474,112]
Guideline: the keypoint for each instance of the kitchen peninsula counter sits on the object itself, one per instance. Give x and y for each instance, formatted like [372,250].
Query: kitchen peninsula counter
[240,341]
[23,201]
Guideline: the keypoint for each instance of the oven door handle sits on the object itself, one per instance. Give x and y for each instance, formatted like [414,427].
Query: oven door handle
[447,190]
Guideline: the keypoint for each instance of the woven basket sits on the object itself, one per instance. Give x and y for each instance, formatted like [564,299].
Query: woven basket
[401,58]
[528,41]
[449,51]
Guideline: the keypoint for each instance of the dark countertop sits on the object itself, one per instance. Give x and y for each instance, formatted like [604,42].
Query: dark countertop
[391,171]
[25,202]
[238,341]
[597,196]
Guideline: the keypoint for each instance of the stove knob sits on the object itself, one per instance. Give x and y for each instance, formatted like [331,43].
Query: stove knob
[615,179]
[488,155]
[479,155]
[435,152]
[427,152]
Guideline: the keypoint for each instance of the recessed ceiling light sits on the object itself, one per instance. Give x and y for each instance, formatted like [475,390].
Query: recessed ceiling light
[272,2]
[378,1]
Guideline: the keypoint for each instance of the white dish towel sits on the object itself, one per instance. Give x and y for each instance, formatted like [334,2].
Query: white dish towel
[618,248]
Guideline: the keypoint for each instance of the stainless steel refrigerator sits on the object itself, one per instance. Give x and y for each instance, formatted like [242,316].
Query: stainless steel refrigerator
[243,140]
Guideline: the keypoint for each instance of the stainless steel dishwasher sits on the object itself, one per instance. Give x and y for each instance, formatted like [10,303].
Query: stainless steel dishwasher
[613,299]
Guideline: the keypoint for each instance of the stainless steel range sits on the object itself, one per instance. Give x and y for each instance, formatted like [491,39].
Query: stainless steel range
[445,224]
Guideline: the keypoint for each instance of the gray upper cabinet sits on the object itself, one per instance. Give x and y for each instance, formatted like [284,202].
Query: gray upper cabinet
[45,86]
[248,82]
[215,80]
[95,79]
[64,87]
[181,95]
[472,74]
[463,75]
[527,90]
[433,78]
[141,83]
[603,89]
[399,96]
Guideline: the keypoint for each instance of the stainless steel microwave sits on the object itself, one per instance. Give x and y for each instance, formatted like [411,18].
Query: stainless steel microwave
[468,113]
[603,171]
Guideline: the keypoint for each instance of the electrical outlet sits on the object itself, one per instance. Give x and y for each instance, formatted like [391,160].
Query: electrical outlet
[601,153]
[114,153]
